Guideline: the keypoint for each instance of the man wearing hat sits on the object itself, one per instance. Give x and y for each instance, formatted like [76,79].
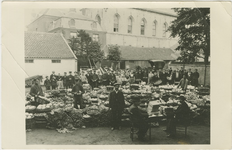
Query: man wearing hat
[112,78]
[180,114]
[116,104]
[139,118]
[47,83]
[78,90]
[94,79]
[53,80]
[65,79]
[183,83]
[105,79]
[71,80]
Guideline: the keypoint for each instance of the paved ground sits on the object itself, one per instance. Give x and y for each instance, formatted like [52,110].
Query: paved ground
[104,136]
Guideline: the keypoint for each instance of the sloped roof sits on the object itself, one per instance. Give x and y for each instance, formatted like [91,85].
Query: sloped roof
[141,53]
[164,11]
[46,45]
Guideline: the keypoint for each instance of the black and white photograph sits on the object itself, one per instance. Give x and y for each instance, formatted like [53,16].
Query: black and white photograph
[117,76]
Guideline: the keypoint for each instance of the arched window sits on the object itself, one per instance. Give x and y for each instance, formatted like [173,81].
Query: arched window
[154,26]
[72,23]
[116,22]
[143,25]
[165,25]
[98,19]
[94,25]
[130,20]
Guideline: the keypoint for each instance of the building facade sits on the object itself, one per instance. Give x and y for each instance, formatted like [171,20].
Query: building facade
[134,27]
[47,52]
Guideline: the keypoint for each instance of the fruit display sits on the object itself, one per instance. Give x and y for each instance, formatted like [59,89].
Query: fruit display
[29,116]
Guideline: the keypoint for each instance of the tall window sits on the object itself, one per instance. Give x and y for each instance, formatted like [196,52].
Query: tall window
[116,23]
[72,23]
[95,37]
[154,28]
[164,29]
[143,24]
[94,25]
[130,25]
[98,19]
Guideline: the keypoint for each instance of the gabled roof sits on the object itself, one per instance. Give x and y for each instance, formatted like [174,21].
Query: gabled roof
[47,45]
[141,53]
[162,11]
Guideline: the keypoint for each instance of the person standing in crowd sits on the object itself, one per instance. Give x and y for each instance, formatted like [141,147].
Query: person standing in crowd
[116,104]
[164,77]
[189,76]
[170,71]
[155,77]
[169,77]
[36,89]
[71,80]
[65,78]
[145,76]
[159,73]
[195,77]
[181,72]
[137,77]
[119,78]
[183,83]
[150,76]
[105,79]
[99,78]
[89,76]
[131,77]
[47,83]
[76,76]
[95,79]
[139,118]
[78,90]
[59,81]
[83,77]
[177,75]
[112,78]
[53,80]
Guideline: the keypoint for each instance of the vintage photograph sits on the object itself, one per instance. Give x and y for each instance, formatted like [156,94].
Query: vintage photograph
[117,76]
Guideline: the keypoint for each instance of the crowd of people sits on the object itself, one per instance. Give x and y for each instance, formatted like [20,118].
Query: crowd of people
[96,78]
[116,98]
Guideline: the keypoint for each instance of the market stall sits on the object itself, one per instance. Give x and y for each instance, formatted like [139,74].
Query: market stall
[55,110]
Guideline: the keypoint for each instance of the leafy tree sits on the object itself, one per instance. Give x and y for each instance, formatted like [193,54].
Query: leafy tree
[192,27]
[95,53]
[83,46]
[114,54]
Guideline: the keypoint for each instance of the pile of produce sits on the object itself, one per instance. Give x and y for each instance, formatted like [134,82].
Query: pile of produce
[57,105]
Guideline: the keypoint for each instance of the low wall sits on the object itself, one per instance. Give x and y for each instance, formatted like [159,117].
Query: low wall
[199,67]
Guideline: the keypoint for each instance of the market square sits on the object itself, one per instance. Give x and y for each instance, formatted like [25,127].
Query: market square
[117,76]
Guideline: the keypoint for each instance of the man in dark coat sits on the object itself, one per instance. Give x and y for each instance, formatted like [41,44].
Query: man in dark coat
[78,90]
[105,79]
[116,104]
[88,77]
[195,77]
[137,77]
[53,80]
[65,79]
[47,83]
[189,76]
[94,79]
[112,78]
[181,114]
[70,81]
[36,89]
[139,118]
[145,76]
[164,77]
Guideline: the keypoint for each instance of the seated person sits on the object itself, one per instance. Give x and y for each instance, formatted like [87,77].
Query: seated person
[179,115]
[139,118]
[36,89]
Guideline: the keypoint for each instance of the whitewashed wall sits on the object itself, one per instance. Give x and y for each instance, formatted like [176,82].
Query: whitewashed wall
[45,67]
